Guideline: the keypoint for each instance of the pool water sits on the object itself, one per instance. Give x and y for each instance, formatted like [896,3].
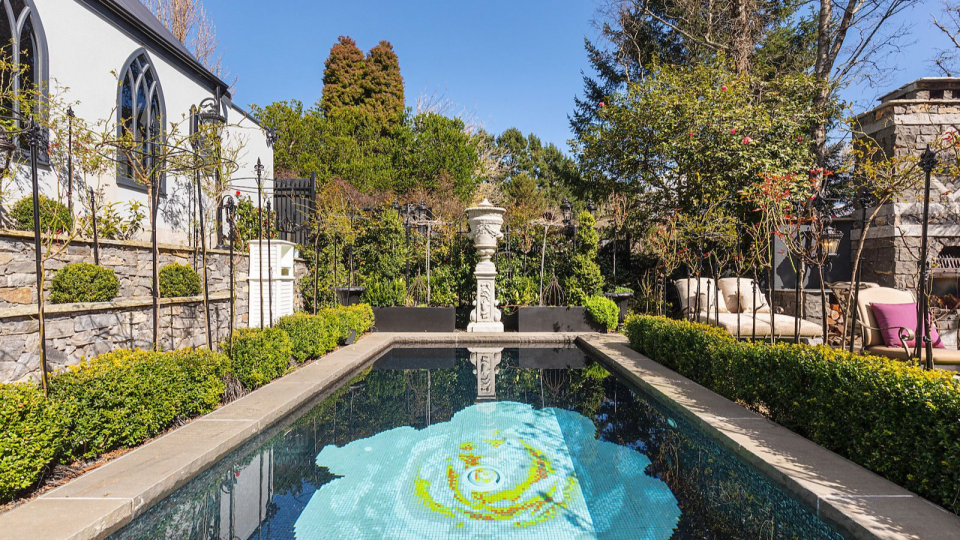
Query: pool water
[482,443]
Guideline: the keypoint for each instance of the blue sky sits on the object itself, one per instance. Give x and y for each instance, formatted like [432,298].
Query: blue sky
[508,63]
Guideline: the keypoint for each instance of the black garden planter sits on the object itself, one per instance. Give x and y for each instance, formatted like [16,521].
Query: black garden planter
[348,296]
[556,319]
[415,319]
[621,299]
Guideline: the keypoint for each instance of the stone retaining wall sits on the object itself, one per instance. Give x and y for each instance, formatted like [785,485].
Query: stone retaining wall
[132,261]
[75,331]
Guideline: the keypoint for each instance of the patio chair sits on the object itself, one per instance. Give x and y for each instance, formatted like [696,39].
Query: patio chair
[873,339]
[749,300]
[710,312]
[754,320]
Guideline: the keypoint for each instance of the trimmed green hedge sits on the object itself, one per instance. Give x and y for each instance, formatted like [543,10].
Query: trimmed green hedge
[84,282]
[313,336]
[604,312]
[178,280]
[258,356]
[889,416]
[30,436]
[123,398]
[114,401]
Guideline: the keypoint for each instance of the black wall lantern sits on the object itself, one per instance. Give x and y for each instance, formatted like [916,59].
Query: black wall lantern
[830,242]
[206,130]
[566,210]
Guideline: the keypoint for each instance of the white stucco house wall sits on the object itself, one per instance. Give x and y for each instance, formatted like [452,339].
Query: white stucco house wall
[85,52]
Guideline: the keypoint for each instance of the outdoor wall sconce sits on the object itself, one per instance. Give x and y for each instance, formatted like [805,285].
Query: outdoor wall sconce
[566,210]
[830,242]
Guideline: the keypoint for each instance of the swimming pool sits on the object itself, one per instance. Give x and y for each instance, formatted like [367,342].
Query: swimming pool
[482,443]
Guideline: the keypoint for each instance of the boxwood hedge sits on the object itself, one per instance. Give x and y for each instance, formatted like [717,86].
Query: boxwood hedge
[312,336]
[29,439]
[123,398]
[889,416]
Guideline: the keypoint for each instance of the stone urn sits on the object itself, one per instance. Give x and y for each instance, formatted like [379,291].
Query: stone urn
[485,222]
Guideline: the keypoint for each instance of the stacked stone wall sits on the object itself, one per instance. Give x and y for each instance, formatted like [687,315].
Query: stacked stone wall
[75,331]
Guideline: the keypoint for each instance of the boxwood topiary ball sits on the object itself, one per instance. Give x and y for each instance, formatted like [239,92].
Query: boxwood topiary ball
[84,282]
[179,280]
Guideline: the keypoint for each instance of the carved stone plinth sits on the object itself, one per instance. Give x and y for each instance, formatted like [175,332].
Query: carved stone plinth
[485,222]
[485,362]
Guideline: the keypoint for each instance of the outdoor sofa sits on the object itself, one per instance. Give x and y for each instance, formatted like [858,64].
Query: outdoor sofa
[739,307]
[872,332]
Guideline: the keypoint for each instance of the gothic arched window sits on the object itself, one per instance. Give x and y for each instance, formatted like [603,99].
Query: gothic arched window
[23,44]
[140,110]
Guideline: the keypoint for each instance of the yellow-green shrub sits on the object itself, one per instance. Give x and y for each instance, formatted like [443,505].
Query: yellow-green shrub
[604,312]
[358,318]
[123,398]
[31,433]
[313,336]
[889,416]
[258,356]
[310,335]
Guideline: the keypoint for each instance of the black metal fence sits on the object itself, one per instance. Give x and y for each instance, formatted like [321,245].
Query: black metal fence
[294,200]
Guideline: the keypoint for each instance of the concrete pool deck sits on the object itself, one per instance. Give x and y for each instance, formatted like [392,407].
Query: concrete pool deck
[104,500]
[859,502]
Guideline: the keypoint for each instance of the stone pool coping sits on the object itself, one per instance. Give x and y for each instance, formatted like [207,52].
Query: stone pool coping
[102,501]
[856,500]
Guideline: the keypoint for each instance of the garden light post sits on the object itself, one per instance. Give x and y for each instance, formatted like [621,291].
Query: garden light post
[829,247]
[206,119]
[259,168]
[928,161]
[93,220]
[35,138]
[269,268]
[231,210]
[70,116]
[862,196]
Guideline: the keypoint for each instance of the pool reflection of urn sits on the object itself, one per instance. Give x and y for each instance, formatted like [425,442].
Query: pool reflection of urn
[485,222]
[485,363]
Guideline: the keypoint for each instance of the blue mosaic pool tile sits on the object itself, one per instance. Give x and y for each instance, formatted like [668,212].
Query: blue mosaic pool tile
[498,470]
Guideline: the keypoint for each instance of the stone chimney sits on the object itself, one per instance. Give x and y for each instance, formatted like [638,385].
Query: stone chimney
[904,122]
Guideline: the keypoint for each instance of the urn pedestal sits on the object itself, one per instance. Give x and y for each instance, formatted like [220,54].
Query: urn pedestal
[485,222]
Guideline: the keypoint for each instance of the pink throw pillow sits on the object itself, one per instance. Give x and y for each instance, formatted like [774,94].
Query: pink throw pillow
[890,316]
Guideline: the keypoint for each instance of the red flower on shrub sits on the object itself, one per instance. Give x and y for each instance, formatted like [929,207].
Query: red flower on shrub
[733,131]
[747,140]
[724,88]
[238,193]
[602,104]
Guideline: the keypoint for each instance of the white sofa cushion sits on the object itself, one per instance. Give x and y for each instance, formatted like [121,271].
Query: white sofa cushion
[687,289]
[748,300]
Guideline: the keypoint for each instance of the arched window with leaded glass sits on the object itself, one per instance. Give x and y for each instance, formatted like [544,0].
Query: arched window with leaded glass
[24,46]
[141,114]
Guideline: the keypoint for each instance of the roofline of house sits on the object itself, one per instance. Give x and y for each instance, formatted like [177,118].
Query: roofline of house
[161,42]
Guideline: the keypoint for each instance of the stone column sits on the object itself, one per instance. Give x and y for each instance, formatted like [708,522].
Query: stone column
[485,362]
[485,222]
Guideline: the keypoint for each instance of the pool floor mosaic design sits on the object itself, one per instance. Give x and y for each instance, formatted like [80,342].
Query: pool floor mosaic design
[495,469]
